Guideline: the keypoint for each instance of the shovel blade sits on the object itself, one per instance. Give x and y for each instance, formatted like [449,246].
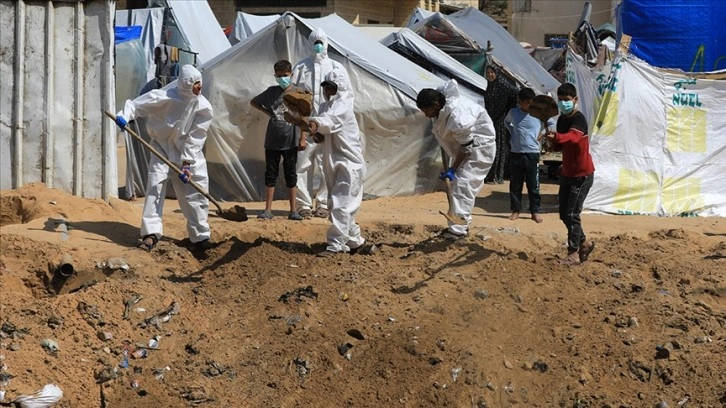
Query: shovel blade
[454,219]
[236,213]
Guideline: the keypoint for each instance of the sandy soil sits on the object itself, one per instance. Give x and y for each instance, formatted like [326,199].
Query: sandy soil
[259,321]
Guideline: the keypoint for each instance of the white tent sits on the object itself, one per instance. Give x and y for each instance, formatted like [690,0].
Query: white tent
[400,153]
[658,139]
[422,52]
[507,52]
[200,28]
[247,24]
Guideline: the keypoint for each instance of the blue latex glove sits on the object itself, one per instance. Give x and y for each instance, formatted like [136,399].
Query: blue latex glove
[186,174]
[448,174]
[121,122]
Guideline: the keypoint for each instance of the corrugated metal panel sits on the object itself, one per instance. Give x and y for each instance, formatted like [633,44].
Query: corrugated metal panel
[56,79]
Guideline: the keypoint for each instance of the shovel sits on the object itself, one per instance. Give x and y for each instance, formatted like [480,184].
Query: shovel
[237,213]
[450,216]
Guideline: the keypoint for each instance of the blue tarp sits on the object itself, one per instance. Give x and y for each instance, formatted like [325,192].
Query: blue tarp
[686,34]
[123,34]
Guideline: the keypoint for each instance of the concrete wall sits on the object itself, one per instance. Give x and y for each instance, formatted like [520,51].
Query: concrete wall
[57,79]
[554,17]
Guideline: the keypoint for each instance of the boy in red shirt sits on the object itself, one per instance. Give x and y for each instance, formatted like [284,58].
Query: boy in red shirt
[578,172]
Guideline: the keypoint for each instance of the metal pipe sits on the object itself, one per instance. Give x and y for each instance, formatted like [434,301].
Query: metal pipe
[65,266]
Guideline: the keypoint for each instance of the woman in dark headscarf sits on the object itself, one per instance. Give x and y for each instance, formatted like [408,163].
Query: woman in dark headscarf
[499,98]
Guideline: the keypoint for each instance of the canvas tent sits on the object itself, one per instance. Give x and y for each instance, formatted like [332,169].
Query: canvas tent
[482,29]
[400,153]
[656,135]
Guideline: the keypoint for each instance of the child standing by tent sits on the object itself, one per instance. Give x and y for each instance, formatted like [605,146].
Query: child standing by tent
[578,172]
[281,140]
[524,156]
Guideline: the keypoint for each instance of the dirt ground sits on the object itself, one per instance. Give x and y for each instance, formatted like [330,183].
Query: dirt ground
[259,321]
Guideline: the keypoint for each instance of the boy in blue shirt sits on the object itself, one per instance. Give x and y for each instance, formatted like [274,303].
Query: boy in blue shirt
[524,155]
[281,140]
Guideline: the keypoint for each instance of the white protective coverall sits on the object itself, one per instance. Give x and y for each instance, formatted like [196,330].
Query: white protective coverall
[463,125]
[177,123]
[343,164]
[308,74]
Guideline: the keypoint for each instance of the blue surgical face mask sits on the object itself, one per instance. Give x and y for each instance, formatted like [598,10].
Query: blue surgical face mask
[318,48]
[566,106]
[284,82]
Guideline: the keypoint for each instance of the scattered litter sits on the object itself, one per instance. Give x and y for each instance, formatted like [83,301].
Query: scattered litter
[455,373]
[344,296]
[104,335]
[139,310]
[391,319]
[2,395]
[293,266]
[53,202]
[154,342]
[343,348]
[159,372]
[701,340]
[47,397]
[161,317]
[129,303]
[298,294]
[114,264]
[140,353]
[679,403]
[51,346]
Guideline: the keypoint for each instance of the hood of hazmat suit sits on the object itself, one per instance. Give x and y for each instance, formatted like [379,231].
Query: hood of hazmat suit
[310,72]
[463,124]
[176,120]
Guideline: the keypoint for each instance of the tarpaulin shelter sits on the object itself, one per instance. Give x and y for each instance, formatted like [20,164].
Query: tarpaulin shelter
[412,46]
[471,29]
[400,153]
[656,134]
[689,35]
[247,24]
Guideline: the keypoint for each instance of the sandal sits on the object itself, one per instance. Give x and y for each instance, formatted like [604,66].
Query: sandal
[305,213]
[148,242]
[321,212]
[584,252]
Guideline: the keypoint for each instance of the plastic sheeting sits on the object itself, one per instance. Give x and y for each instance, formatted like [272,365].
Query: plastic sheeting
[151,21]
[684,34]
[412,46]
[200,28]
[401,155]
[507,52]
[660,148]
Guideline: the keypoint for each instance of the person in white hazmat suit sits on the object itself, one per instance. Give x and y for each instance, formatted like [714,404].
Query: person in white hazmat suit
[177,123]
[466,133]
[343,164]
[307,75]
